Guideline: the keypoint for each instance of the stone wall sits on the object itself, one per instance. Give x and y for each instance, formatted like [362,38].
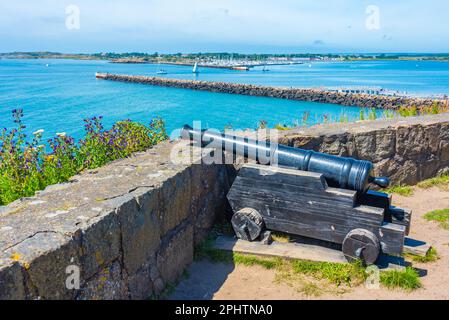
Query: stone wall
[131,226]
[407,150]
[311,95]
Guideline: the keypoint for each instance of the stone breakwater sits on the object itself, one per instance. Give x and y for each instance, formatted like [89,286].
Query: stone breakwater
[309,95]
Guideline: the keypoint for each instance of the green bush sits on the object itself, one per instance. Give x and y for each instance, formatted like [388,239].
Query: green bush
[25,166]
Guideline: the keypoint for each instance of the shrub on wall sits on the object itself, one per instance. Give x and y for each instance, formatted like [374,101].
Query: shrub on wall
[26,166]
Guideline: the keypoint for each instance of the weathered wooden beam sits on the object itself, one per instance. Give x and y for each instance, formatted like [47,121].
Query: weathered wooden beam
[302,203]
[277,249]
[416,247]
[392,237]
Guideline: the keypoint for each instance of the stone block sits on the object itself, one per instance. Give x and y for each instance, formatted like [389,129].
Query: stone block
[140,229]
[444,151]
[12,285]
[176,253]
[109,284]
[45,257]
[176,197]
[100,244]
[140,284]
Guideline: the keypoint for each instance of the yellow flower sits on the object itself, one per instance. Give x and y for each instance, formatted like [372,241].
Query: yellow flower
[15,257]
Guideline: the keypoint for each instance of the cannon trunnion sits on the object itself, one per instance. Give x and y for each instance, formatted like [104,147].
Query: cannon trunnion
[301,203]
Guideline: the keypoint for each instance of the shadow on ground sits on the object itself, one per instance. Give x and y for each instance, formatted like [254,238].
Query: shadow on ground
[204,280]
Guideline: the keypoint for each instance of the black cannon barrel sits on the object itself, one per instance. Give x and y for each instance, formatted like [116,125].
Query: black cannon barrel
[347,173]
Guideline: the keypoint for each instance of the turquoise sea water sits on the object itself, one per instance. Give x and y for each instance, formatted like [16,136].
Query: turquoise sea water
[56,98]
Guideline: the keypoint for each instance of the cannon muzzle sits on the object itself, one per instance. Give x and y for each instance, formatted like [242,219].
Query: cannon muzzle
[346,173]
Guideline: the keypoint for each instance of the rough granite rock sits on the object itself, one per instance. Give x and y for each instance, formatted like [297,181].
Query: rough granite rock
[109,284]
[176,254]
[45,257]
[12,283]
[408,150]
[100,243]
[141,283]
[140,231]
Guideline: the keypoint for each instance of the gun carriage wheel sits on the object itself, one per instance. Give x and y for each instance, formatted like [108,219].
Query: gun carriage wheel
[248,224]
[361,244]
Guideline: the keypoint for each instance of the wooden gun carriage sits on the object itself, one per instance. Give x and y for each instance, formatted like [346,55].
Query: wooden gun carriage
[311,194]
[302,203]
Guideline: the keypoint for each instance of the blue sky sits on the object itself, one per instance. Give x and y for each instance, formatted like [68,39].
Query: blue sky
[226,25]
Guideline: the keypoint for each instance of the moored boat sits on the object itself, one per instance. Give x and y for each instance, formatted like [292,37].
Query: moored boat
[195,68]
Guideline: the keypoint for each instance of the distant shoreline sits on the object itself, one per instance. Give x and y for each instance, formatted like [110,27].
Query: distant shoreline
[190,59]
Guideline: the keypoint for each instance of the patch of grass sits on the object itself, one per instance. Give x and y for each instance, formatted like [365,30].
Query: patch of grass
[441,182]
[431,256]
[336,273]
[311,277]
[250,260]
[405,191]
[409,111]
[388,114]
[311,289]
[441,216]
[343,118]
[408,279]
[206,251]
[280,237]
[372,115]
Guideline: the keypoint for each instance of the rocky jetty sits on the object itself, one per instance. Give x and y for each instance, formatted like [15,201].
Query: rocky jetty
[310,95]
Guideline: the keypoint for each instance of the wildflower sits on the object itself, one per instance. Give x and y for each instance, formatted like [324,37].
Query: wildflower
[40,131]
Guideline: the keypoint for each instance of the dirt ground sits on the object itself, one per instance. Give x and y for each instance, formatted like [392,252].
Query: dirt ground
[227,281]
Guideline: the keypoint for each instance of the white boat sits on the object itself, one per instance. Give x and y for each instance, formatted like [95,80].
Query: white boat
[161,72]
[47,65]
[195,68]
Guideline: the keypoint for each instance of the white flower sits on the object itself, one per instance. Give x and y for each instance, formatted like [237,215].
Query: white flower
[61,134]
[40,131]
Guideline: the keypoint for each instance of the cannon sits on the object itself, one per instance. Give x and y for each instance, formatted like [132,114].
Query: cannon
[310,194]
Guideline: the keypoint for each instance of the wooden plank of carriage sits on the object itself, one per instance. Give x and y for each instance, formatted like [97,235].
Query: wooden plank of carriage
[280,249]
[311,252]
[416,247]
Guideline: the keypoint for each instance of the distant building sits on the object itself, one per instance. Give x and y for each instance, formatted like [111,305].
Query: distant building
[357,90]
